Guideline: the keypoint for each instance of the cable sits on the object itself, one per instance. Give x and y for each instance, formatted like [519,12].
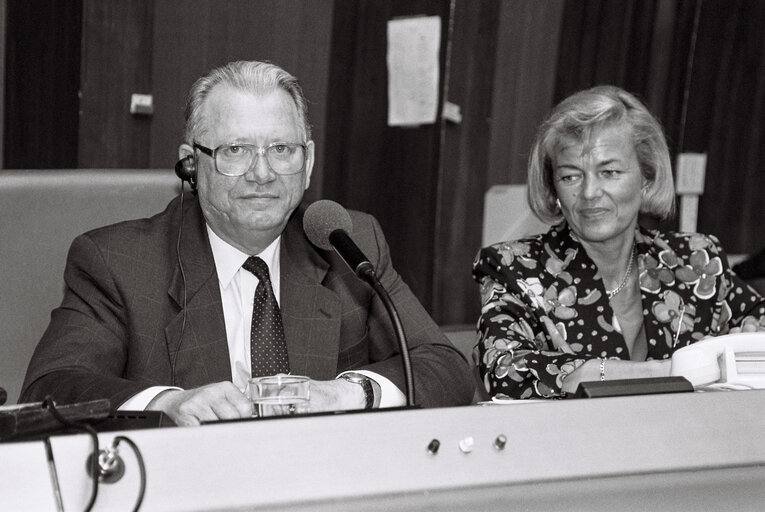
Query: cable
[689,73]
[49,404]
[174,358]
[53,475]
[141,468]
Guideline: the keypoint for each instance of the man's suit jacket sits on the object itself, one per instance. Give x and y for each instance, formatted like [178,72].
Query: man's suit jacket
[142,307]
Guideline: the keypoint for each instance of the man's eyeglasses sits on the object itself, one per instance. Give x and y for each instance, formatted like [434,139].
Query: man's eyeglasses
[237,159]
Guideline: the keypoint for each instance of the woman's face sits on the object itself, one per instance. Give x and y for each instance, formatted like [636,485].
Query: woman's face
[599,184]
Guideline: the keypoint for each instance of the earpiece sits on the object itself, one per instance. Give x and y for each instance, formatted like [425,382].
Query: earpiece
[186,170]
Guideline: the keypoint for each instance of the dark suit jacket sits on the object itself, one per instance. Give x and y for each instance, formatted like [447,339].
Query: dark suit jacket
[122,325]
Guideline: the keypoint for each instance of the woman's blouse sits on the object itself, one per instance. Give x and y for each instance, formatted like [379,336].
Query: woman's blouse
[531,286]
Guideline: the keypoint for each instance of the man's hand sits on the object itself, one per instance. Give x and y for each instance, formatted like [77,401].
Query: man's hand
[218,401]
[336,395]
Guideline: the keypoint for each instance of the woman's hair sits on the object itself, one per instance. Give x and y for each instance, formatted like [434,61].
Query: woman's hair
[578,117]
[249,76]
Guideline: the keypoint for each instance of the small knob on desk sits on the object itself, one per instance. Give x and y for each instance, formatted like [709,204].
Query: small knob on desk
[466,445]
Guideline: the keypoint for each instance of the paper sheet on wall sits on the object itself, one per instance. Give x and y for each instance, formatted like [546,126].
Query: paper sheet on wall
[413,74]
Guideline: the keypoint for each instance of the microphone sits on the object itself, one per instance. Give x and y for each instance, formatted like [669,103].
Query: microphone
[326,224]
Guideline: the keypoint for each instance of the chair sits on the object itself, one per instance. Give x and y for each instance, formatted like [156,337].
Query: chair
[463,336]
[507,216]
[41,212]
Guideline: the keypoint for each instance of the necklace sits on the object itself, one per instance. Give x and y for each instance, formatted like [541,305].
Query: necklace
[612,293]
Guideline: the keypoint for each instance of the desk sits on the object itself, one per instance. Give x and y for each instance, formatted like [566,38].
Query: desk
[690,451]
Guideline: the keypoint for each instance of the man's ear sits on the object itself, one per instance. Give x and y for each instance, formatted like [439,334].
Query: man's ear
[185,150]
[186,168]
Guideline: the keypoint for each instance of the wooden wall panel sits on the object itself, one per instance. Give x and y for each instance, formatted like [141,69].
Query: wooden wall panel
[116,62]
[391,172]
[509,62]
[726,119]
[465,160]
[41,83]
[503,66]
[193,36]
[606,42]
[699,65]
[523,86]
[2,78]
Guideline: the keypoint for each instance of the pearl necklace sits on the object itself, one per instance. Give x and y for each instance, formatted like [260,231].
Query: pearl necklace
[612,293]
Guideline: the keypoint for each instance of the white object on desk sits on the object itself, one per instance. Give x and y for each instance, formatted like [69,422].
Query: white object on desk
[733,359]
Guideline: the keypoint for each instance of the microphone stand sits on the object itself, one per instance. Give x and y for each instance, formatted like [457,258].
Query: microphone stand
[363,269]
[367,273]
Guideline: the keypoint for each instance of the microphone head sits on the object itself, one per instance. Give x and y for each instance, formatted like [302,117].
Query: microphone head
[322,218]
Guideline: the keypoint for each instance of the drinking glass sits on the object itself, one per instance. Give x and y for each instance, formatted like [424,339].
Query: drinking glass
[279,395]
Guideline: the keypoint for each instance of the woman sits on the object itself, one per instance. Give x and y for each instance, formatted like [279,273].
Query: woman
[599,297]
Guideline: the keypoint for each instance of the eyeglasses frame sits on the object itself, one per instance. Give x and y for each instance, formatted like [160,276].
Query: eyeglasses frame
[261,150]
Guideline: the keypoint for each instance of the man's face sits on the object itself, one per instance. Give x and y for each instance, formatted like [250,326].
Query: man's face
[251,210]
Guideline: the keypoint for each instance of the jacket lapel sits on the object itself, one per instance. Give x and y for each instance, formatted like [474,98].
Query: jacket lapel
[196,336]
[311,313]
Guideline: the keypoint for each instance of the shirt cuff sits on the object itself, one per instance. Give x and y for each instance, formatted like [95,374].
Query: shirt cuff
[139,401]
[390,395]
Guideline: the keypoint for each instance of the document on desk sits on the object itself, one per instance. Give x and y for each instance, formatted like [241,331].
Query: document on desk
[511,401]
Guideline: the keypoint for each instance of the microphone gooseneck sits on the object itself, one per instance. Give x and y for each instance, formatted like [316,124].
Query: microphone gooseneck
[326,224]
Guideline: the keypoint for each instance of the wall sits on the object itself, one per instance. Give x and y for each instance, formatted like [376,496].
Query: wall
[502,74]
[116,62]
[391,172]
[42,65]
[193,36]
[71,66]
[160,48]
[2,75]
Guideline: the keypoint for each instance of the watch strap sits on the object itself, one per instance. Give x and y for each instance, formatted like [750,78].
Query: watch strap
[366,385]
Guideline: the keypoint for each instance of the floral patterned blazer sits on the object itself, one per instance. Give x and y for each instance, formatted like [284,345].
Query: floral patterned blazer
[548,282]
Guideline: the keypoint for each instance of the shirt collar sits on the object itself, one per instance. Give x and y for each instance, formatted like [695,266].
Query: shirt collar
[229,259]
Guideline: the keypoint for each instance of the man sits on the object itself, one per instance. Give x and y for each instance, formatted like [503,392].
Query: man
[159,313]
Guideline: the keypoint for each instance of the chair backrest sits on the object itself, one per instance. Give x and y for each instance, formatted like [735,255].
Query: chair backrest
[464,337]
[507,216]
[41,212]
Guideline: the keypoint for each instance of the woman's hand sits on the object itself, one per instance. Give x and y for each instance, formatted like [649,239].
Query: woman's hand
[748,324]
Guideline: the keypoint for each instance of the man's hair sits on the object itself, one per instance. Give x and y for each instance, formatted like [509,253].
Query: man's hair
[578,117]
[250,76]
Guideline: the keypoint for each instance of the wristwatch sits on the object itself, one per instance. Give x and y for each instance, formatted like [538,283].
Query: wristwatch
[366,385]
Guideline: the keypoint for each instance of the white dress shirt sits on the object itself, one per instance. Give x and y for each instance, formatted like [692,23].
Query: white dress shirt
[237,289]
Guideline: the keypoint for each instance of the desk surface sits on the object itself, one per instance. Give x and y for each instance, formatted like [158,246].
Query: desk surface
[691,451]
